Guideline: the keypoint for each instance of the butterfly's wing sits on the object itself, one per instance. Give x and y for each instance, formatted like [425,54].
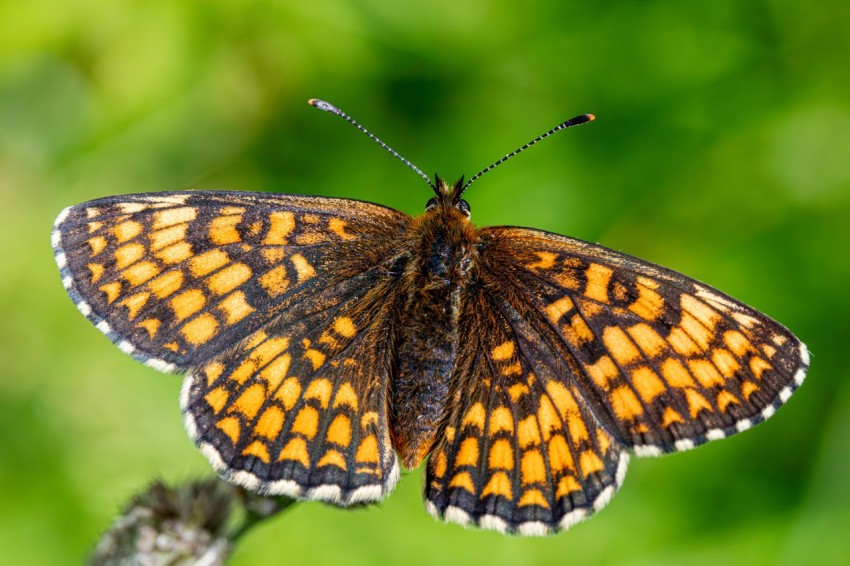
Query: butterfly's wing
[270,302]
[522,451]
[593,352]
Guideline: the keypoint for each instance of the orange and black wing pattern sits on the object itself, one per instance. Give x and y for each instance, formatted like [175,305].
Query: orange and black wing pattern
[576,355]
[248,293]
[665,363]
[522,451]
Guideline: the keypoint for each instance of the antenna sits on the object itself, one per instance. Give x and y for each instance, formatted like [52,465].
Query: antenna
[578,120]
[328,107]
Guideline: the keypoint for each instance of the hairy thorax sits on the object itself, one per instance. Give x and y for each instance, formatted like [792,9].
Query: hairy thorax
[444,247]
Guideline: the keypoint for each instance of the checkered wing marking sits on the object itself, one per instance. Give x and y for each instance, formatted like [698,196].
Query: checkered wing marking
[521,451]
[299,408]
[665,362]
[175,278]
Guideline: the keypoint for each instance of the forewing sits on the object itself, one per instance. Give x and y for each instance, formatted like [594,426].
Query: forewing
[175,278]
[521,451]
[664,362]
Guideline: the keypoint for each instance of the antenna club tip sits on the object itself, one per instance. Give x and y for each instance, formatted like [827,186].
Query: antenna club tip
[322,105]
[590,117]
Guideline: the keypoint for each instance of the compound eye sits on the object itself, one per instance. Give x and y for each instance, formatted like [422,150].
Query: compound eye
[463,206]
[431,204]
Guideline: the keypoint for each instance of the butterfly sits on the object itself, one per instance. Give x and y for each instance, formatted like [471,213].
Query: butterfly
[327,342]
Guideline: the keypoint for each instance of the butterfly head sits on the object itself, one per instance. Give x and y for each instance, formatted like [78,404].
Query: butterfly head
[448,196]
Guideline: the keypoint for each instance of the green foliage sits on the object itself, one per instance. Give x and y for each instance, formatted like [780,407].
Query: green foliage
[720,150]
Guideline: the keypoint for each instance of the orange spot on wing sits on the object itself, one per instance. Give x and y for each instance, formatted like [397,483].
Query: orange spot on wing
[548,418]
[187,303]
[140,272]
[464,481]
[724,399]
[228,278]
[501,455]
[367,452]
[281,224]
[560,457]
[475,416]
[96,271]
[319,389]
[344,326]
[467,454]
[517,390]
[296,450]
[345,395]
[620,346]
[200,330]
[175,253]
[337,226]
[333,458]
[134,304]
[223,230]
[577,332]
[625,404]
[528,432]
[647,339]
[167,237]
[307,422]
[566,486]
[649,305]
[217,399]
[302,267]
[503,351]
[670,416]
[499,484]
[590,463]
[269,423]
[250,402]
[112,290]
[603,372]
[598,277]
[274,281]
[701,335]
[696,402]
[546,260]
[533,497]
[758,366]
[682,343]
[647,383]
[705,372]
[151,325]
[675,374]
[276,370]
[533,467]
[289,393]
[235,307]
[501,419]
[164,218]
[557,309]
[213,372]
[127,230]
[230,427]
[128,255]
[258,450]
[316,358]
[208,262]
[166,284]
[340,431]
[96,244]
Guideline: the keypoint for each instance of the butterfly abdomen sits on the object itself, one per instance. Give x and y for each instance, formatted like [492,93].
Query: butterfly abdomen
[427,339]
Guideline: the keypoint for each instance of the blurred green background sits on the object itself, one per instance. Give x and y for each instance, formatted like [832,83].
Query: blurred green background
[721,149]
